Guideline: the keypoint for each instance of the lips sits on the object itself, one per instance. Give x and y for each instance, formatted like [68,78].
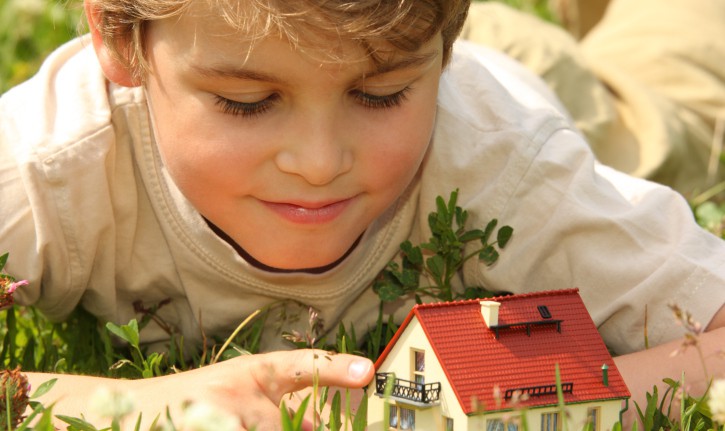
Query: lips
[309,213]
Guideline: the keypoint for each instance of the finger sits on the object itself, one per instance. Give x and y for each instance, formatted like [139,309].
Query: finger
[280,373]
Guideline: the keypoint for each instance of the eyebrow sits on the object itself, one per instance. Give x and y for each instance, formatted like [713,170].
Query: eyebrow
[233,72]
[408,62]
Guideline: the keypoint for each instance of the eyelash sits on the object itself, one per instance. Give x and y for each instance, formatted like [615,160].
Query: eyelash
[381,102]
[243,109]
[250,110]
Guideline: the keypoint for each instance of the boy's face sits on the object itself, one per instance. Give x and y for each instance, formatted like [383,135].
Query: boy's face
[291,155]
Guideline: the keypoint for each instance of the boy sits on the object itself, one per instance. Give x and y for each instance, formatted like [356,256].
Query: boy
[228,155]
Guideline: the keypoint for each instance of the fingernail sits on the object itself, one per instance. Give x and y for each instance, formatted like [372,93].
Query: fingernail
[358,369]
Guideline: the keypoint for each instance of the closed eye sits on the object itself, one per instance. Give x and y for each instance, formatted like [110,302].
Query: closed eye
[373,101]
[245,109]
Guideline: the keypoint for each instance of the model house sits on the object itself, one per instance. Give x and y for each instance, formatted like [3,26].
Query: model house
[489,364]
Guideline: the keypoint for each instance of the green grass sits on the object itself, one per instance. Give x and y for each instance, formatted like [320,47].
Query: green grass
[29,31]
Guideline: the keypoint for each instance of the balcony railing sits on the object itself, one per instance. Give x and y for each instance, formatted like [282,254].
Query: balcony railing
[539,391]
[424,393]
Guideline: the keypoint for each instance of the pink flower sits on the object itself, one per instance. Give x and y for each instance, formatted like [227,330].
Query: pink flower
[13,286]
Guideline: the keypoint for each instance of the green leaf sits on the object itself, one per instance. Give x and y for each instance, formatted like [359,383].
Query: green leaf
[138,423]
[299,416]
[471,235]
[388,291]
[452,201]
[45,423]
[488,255]
[433,221]
[324,391]
[488,231]
[462,217]
[436,265]
[43,388]
[409,278]
[504,235]
[77,423]
[286,418]
[414,254]
[128,333]
[3,260]
[442,209]
[37,409]
[335,423]
[361,417]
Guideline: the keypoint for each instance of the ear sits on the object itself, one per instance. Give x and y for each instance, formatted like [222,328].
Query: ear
[113,69]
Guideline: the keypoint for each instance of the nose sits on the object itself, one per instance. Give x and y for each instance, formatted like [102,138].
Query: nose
[316,151]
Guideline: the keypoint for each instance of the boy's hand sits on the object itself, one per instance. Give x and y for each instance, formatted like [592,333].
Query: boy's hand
[252,387]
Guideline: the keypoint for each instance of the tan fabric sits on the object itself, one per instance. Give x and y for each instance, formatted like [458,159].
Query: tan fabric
[646,85]
[89,215]
[578,16]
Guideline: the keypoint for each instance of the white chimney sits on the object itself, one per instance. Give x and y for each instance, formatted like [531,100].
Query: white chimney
[489,310]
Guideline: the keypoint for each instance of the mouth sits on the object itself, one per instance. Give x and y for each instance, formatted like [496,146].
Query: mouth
[309,212]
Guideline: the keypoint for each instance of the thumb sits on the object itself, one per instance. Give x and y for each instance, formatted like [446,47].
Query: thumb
[290,371]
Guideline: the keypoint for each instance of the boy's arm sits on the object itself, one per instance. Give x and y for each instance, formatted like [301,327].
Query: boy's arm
[249,387]
[700,363]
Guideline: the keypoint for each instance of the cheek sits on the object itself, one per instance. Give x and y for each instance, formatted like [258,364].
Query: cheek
[401,147]
[194,149]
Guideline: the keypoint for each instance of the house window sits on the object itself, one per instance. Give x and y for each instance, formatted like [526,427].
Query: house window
[401,418]
[551,422]
[499,425]
[448,422]
[418,367]
[593,415]
[544,311]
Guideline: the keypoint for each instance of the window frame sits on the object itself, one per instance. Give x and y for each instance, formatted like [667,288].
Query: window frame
[546,420]
[594,416]
[396,418]
[416,375]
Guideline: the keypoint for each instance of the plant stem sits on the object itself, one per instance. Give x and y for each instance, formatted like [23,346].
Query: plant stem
[8,404]
[234,334]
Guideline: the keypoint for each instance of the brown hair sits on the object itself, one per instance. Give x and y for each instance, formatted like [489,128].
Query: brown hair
[403,24]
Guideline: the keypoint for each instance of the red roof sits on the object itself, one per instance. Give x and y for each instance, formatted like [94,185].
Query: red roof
[478,364]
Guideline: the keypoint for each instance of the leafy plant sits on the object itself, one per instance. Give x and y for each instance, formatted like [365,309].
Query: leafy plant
[442,256]
[147,366]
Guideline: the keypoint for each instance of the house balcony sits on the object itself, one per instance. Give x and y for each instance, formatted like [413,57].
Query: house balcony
[419,394]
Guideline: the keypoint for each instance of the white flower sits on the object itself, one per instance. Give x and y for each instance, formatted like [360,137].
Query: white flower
[111,404]
[206,417]
[717,401]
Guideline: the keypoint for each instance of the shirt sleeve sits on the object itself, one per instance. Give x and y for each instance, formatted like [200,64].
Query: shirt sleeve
[631,246]
[54,138]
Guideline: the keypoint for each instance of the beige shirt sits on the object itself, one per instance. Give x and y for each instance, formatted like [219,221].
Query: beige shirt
[90,216]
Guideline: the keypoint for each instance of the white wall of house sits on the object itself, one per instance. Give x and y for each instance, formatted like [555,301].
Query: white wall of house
[399,361]
[576,415]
